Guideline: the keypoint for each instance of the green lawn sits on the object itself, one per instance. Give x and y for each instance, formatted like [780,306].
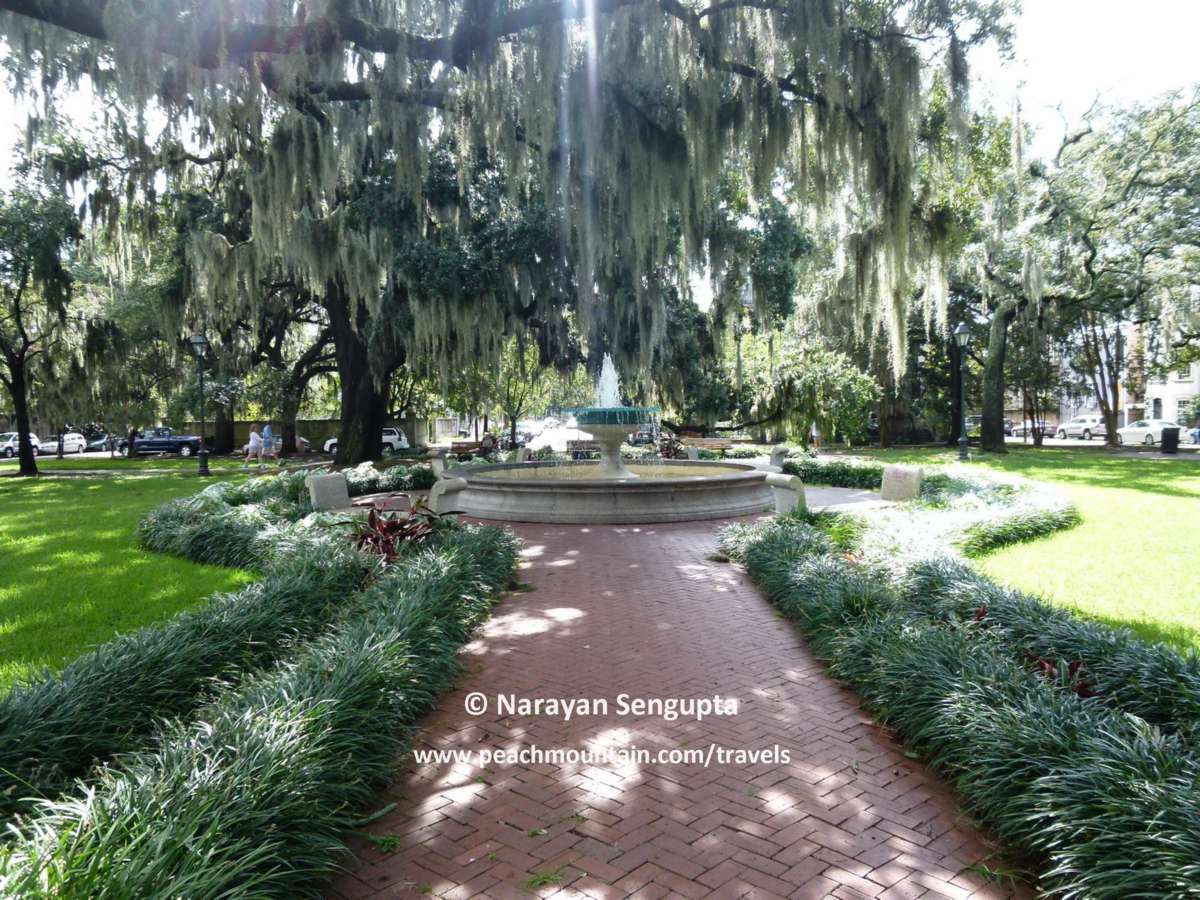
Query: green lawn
[98,463]
[72,575]
[1134,561]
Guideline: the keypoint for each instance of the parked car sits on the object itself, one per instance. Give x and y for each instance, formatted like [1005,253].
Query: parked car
[1144,431]
[100,442]
[73,442]
[1008,427]
[1085,427]
[9,446]
[393,440]
[1026,428]
[163,440]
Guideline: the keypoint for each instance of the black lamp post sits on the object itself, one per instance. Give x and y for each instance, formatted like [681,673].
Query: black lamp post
[961,335]
[200,348]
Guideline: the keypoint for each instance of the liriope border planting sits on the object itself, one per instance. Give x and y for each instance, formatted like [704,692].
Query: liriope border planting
[55,729]
[252,797]
[1071,740]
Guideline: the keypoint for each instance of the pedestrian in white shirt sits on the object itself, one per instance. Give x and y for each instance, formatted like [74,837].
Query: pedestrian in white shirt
[255,448]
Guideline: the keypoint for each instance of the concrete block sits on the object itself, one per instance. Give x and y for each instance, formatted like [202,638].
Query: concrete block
[444,493]
[328,491]
[778,456]
[692,452]
[438,464]
[789,492]
[901,483]
[522,454]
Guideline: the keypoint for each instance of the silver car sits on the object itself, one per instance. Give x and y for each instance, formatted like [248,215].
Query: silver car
[1085,427]
[10,447]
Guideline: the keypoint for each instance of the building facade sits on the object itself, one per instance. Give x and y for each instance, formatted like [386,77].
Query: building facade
[1169,396]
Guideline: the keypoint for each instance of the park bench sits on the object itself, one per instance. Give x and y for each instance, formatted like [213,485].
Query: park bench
[580,449]
[695,444]
[465,446]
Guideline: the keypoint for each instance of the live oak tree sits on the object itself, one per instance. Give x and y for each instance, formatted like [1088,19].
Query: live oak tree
[37,230]
[620,114]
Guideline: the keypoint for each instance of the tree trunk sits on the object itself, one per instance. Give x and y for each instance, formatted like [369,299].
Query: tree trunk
[956,407]
[364,400]
[289,408]
[223,432]
[512,434]
[20,399]
[993,380]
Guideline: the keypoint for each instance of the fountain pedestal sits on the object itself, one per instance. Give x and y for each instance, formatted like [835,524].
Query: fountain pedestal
[610,437]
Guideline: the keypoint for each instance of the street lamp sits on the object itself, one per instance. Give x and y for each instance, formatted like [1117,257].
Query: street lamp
[962,334]
[200,348]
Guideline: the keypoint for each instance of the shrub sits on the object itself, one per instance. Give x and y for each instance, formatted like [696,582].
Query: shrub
[1151,681]
[836,473]
[1110,803]
[366,479]
[108,701]
[254,796]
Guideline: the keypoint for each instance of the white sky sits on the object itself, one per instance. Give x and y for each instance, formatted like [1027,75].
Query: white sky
[1069,52]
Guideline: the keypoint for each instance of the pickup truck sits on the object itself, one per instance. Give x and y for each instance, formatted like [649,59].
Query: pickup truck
[163,440]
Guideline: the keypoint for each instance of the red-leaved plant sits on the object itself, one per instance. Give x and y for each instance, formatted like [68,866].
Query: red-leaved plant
[388,535]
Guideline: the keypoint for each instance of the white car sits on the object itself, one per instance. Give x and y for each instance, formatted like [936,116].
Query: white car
[9,446]
[393,440]
[1082,427]
[73,442]
[1144,431]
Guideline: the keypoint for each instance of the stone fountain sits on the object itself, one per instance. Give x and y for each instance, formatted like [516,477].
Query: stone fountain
[609,423]
[608,491]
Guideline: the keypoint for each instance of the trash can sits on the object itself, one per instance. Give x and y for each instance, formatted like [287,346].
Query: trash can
[1170,440]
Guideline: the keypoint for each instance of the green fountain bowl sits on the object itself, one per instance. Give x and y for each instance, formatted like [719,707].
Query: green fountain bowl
[614,415]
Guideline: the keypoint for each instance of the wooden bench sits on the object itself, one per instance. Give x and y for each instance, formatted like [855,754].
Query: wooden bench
[721,444]
[580,449]
[465,446]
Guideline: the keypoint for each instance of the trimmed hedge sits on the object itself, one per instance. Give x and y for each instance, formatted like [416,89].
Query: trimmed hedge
[253,797]
[864,476]
[55,728]
[1108,801]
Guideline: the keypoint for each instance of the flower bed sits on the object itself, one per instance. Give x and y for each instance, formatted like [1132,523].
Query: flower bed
[239,737]
[1075,778]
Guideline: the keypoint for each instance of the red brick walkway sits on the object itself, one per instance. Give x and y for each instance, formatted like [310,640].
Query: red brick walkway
[645,612]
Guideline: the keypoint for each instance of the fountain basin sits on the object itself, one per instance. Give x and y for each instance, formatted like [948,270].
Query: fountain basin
[571,492]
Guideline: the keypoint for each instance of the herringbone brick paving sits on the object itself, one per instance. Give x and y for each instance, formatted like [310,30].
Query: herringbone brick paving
[643,610]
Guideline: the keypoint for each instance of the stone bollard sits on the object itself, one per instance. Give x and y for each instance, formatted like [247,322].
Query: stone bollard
[789,492]
[438,464]
[693,453]
[779,456]
[444,493]
[328,491]
[901,483]
[522,454]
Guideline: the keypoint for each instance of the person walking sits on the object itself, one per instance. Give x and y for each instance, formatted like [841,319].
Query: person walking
[268,438]
[254,448]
